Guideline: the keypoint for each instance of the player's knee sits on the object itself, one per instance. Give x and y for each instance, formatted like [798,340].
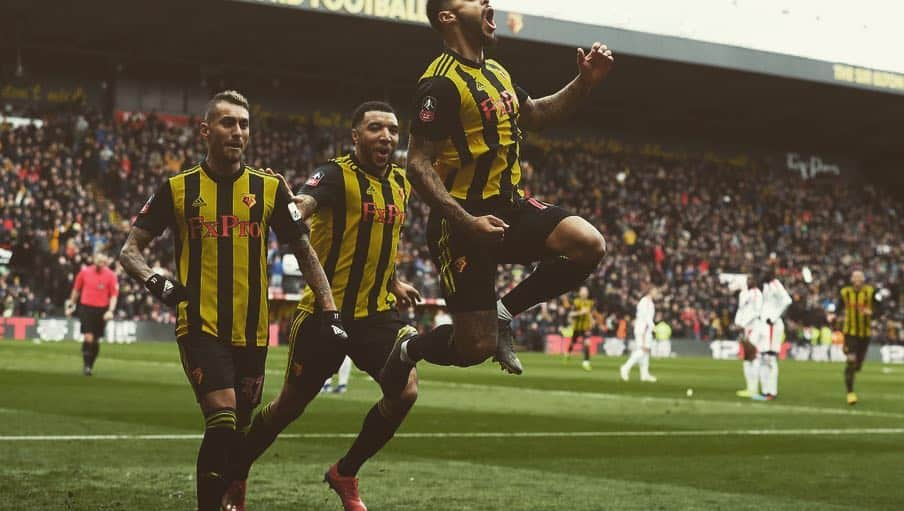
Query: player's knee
[591,247]
[852,359]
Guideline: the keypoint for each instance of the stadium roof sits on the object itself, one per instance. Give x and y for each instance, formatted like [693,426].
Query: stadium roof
[344,57]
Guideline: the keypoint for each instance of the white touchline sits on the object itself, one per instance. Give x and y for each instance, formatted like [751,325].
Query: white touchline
[479,434]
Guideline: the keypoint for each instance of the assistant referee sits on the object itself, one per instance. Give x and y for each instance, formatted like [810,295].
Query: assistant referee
[95,290]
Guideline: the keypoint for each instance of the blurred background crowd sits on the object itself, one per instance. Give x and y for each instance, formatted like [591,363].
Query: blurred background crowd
[70,187]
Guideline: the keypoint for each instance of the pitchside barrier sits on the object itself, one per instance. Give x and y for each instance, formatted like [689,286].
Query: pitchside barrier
[128,332]
[719,349]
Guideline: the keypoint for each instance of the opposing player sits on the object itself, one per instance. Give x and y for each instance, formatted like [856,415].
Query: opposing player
[771,335]
[581,317]
[463,159]
[220,212]
[357,204]
[643,336]
[96,291]
[856,304]
[342,376]
[750,306]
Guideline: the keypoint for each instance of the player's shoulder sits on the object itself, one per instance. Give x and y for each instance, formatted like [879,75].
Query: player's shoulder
[260,173]
[440,66]
[328,172]
[184,173]
[397,171]
[497,67]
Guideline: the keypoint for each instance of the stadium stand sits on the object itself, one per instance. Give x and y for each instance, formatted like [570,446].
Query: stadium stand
[71,186]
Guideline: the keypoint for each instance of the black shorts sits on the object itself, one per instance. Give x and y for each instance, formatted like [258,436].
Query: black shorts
[211,364]
[467,270]
[856,345]
[311,360]
[92,320]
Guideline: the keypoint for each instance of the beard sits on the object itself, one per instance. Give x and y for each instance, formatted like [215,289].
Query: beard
[476,28]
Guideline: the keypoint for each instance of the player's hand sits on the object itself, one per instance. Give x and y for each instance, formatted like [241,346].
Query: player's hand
[486,229]
[108,315]
[69,308]
[405,293]
[331,329]
[594,65]
[282,178]
[168,291]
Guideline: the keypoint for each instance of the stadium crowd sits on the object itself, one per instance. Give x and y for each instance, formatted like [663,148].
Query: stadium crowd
[70,187]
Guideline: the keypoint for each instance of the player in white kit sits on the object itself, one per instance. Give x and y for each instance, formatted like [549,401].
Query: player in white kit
[643,336]
[344,372]
[750,305]
[772,333]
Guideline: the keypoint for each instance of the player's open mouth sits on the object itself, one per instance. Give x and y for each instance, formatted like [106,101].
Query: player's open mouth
[234,145]
[488,16]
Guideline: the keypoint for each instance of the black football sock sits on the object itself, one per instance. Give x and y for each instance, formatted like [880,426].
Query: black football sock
[548,281]
[86,353]
[93,351]
[850,369]
[263,432]
[586,351]
[434,346]
[379,427]
[219,435]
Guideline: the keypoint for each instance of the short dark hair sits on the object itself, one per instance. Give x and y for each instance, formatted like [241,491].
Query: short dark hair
[228,96]
[370,106]
[433,8]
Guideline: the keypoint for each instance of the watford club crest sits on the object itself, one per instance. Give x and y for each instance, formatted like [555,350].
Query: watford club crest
[197,375]
[249,199]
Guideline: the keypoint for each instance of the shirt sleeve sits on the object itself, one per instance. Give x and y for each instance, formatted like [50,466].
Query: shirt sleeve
[79,281]
[286,219]
[522,94]
[326,185]
[157,213]
[435,109]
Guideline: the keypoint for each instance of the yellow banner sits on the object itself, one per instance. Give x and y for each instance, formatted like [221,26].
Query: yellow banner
[411,11]
[869,77]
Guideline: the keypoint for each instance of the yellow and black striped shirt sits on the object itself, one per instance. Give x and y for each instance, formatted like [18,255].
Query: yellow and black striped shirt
[584,319]
[221,225]
[471,109]
[854,302]
[355,232]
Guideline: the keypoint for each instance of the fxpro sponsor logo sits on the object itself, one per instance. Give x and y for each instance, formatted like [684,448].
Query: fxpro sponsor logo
[811,166]
[226,226]
[412,11]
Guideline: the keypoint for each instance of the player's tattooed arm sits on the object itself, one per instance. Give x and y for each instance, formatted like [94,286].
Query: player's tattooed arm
[306,204]
[421,154]
[131,257]
[313,273]
[593,67]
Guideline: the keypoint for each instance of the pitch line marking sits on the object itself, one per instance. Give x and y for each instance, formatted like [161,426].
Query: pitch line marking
[478,434]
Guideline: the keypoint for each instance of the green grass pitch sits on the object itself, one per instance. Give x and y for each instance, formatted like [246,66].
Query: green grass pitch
[580,441]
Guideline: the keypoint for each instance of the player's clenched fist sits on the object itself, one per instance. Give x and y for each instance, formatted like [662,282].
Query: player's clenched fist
[331,328]
[169,291]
